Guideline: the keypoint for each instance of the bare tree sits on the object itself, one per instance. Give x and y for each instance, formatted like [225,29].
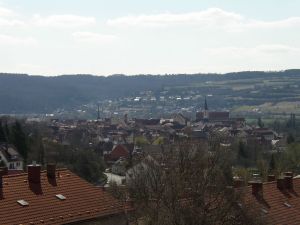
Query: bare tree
[187,185]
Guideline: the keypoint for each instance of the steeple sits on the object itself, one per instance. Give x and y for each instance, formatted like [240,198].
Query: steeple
[98,116]
[205,104]
[205,112]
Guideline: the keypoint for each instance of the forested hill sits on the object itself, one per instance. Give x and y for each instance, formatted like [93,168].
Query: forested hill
[21,93]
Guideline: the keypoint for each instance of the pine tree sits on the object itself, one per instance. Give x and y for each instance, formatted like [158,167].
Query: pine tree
[290,139]
[19,139]
[7,132]
[260,123]
[2,133]
[272,164]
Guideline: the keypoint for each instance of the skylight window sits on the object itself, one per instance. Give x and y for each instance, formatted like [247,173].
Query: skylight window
[23,202]
[60,197]
[287,205]
[264,211]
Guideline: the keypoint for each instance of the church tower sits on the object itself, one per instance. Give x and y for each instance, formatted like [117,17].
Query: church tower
[205,112]
[98,116]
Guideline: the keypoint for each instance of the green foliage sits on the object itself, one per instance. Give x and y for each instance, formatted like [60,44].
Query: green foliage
[2,133]
[272,164]
[290,139]
[84,162]
[260,122]
[19,139]
[292,157]
[88,165]
[141,140]
[158,141]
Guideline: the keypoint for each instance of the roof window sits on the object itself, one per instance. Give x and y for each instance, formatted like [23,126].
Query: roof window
[23,202]
[60,197]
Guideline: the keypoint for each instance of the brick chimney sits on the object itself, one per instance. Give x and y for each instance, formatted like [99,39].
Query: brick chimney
[280,183]
[51,170]
[238,182]
[3,171]
[34,173]
[257,187]
[290,174]
[271,178]
[288,182]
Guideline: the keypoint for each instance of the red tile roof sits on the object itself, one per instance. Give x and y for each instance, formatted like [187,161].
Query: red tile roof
[272,203]
[83,200]
[118,152]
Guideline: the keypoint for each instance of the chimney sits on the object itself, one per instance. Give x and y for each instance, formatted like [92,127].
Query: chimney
[271,178]
[238,182]
[288,182]
[280,183]
[51,170]
[257,187]
[34,173]
[290,174]
[3,172]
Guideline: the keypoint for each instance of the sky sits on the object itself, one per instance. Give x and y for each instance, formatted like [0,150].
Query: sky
[104,37]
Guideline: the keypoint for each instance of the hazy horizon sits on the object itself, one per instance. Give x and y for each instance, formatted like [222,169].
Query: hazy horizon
[140,74]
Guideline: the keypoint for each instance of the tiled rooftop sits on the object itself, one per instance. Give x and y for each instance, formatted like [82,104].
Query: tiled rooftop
[83,200]
[279,207]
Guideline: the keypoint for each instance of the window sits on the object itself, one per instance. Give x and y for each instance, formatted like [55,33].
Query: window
[23,202]
[11,166]
[60,197]
[18,163]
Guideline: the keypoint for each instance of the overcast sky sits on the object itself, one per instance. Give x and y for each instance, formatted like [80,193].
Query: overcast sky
[103,37]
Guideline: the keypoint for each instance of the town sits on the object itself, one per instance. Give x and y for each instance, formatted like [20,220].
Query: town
[116,152]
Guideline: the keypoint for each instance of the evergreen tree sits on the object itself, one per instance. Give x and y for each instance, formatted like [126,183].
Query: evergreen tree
[19,139]
[290,139]
[7,132]
[272,164]
[2,133]
[260,123]
[242,154]
[42,152]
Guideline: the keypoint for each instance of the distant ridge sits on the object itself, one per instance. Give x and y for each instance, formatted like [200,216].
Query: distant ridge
[21,93]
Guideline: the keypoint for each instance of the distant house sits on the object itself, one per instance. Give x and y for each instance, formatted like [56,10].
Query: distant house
[180,119]
[56,197]
[10,157]
[118,151]
[211,116]
[119,167]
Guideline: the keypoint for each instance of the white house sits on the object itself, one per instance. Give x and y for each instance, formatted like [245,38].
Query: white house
[10,157]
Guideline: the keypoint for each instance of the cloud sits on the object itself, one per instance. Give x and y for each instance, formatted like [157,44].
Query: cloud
[273,49]
[20,41]
[212,16]
[5,12]
[63,21]
[9,23]
[90,37]
[7,18]
[285,23]
[209,18]
[257,51]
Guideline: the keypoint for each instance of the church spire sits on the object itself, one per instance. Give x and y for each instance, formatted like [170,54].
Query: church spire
[205,104]
[98,116]
[205,112]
